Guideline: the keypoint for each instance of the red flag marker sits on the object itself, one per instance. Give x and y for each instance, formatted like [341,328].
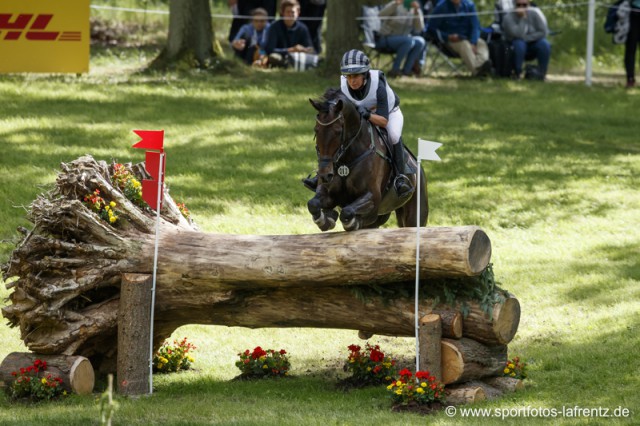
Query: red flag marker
[151,139]
[152,164]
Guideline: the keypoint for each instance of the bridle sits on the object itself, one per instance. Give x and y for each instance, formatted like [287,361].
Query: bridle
[343,148]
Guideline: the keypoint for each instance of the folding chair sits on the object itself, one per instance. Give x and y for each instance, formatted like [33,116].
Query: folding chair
[370,27]
[440,58]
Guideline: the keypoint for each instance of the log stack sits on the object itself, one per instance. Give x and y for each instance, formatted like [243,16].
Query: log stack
[70,270]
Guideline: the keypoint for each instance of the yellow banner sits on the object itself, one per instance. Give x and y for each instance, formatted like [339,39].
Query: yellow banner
[44,36]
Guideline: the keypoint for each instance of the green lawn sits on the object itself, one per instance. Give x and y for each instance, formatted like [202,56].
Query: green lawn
[549,171]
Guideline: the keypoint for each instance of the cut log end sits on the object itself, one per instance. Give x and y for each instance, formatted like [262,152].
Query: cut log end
[479,252]
[82,378]
[507,320]
[452,363]
[465,395]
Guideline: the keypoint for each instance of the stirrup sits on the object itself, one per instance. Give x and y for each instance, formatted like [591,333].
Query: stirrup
[403,185]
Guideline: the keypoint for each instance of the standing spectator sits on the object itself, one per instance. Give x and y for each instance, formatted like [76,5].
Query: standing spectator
[288,40]
[243,8]
[459,28]
[405,18]
[527,31]
[249,40]
[313,9]
[630,46]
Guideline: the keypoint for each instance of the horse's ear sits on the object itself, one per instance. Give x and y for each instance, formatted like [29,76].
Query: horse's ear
[339,105]
[315,104]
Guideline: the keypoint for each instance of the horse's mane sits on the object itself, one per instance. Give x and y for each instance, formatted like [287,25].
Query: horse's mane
[330,97]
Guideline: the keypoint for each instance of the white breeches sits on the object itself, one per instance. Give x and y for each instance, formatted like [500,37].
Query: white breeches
[394,125]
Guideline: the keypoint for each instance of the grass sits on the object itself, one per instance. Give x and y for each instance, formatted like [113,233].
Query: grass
[549,171]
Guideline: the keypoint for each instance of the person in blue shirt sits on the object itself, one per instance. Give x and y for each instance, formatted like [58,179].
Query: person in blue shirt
[249,40]
[287,36]
[459,29]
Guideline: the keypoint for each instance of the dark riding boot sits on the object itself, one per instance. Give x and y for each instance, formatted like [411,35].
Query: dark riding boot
[311,182]
[402,182]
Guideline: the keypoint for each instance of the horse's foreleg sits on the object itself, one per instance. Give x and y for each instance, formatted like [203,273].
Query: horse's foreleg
[351,215]
[322,211]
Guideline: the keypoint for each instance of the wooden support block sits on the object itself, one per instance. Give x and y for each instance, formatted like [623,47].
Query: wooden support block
[451,323]
[430,336]
[134,332]
[465,395]
[76,372]
[505,384]
[466,359]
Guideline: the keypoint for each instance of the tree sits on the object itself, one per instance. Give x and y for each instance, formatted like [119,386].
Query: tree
[343,30]
[191,35]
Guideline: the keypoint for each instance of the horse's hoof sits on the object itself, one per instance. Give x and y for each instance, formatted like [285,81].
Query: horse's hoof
[351,225]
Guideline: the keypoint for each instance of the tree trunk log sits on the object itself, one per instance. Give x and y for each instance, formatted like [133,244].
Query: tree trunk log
[430,336]
[76,372]
[505,384]
[465,395]
[69,271]
[343,31]
[134,334]
[451,323]
[466,359]
[497,329]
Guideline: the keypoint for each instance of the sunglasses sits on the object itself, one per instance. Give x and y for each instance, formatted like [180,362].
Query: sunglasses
[522,4]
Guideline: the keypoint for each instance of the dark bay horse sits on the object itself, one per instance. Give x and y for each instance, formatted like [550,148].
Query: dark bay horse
[355,172]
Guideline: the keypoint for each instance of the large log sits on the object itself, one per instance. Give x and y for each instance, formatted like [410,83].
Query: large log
[69,271]
[76,372]
[497,328]
[466,359]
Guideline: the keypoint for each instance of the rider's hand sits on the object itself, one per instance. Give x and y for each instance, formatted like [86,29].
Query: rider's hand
[364,113]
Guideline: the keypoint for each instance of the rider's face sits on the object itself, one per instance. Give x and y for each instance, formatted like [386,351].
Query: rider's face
[355,81]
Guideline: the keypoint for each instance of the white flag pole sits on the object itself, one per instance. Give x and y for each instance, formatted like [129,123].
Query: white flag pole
[427,151]
[155,269]
[417,296]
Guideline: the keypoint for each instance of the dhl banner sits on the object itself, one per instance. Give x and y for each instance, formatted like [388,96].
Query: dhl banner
[44,36]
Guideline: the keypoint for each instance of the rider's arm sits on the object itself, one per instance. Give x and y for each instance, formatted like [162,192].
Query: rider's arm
[380,116]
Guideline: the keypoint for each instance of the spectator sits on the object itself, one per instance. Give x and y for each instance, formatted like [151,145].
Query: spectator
[249,40]
[242,8]
[631,44]
[313,9]
[288,41]
[527,31]
[502,7]
[459,28]
[396,34]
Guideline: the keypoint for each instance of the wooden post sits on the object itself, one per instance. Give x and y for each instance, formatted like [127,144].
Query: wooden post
[134,332]
[430,335]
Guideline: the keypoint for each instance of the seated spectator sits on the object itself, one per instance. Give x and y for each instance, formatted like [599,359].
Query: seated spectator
[395,34]
[249,40]
[527,30]
[313,9]
[288,41]
[241,9]
[459,29]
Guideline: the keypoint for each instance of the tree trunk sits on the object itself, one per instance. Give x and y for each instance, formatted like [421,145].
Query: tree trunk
[76,372]
[134,334]
[191,36]
[70,268]
[343,31]
[499,328]
[505,384]
[466,359]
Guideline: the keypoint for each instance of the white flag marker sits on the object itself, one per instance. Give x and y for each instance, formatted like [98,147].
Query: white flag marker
[426,151]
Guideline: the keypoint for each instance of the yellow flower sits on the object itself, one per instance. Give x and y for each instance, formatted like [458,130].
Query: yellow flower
[510,365]
[388,378]
[113,219]
[423,384]
[513,374]
[399,383]
[420,390]
[264,367]
[64,393]
[106,208]
[190,359]
[506,371]
[43,381]
[368,368]
[399,392]
[352,360]
[390,386]
[262,358]
[112,204]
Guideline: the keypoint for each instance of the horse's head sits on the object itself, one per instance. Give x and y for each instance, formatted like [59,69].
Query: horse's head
[336,117]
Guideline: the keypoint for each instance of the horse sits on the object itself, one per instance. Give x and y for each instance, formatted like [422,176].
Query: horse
[363,189]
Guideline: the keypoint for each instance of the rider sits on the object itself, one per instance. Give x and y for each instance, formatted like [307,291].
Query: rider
[377,103]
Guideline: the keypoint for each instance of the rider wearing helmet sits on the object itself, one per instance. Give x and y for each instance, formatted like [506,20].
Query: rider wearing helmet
[377,103]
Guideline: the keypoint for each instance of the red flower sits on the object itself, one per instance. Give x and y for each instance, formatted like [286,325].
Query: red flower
[433,386]
[376,356]
[377,369]
[282,352]
[354,348]
[405,372]
[22,370]
[420,375]
[258,352]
